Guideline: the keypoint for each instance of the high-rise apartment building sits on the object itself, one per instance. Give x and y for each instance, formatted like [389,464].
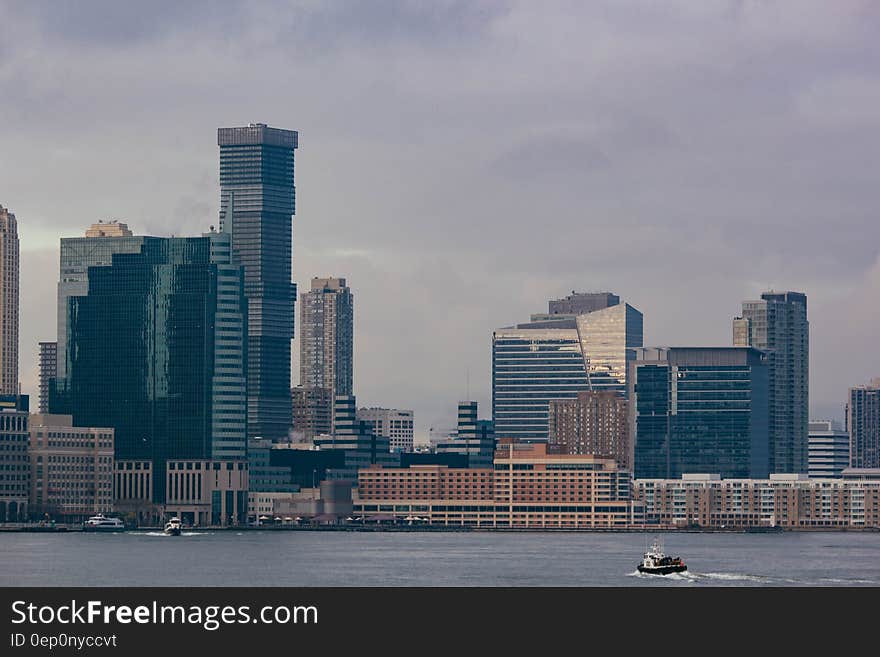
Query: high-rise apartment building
[48,372]
[556,357]
[155,348]
[14,467]
[312,411]
[327,336]
[699,409]
[777,322]
[257,203]
[863,425]
[829,450]
[9,273]
[593,423]
[391,423]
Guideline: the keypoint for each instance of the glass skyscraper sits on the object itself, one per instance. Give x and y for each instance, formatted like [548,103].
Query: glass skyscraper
[777,323]
[699,410]
[555,357]
[155,347]
[257,203]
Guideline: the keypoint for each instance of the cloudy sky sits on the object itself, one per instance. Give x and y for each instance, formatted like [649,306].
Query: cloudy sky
[461,163]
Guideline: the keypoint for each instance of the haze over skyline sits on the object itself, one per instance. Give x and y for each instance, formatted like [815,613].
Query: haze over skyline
[462,163]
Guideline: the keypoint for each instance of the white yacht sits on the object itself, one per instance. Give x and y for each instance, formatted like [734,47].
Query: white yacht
[101,523]
[172,527]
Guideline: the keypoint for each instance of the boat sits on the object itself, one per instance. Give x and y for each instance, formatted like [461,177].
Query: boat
[101,523]
[655,562]
[172,527]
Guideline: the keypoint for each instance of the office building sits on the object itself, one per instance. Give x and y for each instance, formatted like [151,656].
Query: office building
[699,409]
[155,349]
[556,357]
[14,465]
[48,372]
[356,439]
[473,438]
[863,425]
[133,492]
[71,468]
[9,273]
[207,492]
[391,423]
[312,411]
[581,303]
[777,323]
[257,203]
[327,336]
[593,423]
[264,477]
[829,450]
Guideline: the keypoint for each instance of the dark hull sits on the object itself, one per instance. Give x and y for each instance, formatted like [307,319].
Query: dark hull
[172,532]
[662,570]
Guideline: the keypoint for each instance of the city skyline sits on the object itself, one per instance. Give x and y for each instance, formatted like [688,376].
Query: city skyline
[679,240]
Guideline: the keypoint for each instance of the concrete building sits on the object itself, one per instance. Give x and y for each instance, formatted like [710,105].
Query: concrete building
[829,450]
[863,425]
[777,323]
[204,492]
[14,465]
[789,501]
[473,439]
[391,423]
[71,468]
[48,372]
[312,411]
[327,336]
[133,492]
[257,204]
[556,357]
[110,228]
[699,409]
[526,488]
[594,423]
[9,291]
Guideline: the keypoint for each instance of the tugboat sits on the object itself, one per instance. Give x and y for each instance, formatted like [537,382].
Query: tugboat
[657,563]
[172,527]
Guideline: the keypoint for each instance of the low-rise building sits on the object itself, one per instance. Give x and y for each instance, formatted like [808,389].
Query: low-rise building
[133,492]
[14,464]
[207,492]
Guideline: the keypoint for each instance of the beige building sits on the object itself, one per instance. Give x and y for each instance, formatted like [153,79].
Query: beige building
[326,335]
[71,468]
[133,492]
[204,493]
[593,423]
[9,273]
[108,229]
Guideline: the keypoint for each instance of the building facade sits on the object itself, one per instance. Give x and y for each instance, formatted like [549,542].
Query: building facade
[257,204]
[312,411]
[863,425]
[355,438]
[327,336]
[777,323]
[207,492]
[474,439]
[580,303]
[594,423]
[133,492]
[556,357]
[71,468]
[14,465]
[391,423]
[699,409]
[48,372]
[829,450]
[9,284]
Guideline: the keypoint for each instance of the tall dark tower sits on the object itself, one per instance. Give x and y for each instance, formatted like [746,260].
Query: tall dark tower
[256,206]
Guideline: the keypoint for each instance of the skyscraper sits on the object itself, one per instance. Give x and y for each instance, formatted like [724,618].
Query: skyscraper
[327,336]
[699,410]
[555,357]
[48,372]
[156,350]
[863,425]
[778,323]
[257,203]
[9,272]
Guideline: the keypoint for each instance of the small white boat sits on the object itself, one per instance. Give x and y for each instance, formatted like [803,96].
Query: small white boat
[101,523]
[173,527]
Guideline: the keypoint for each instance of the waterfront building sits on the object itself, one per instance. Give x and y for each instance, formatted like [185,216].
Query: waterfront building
[391,423]
[556,357]
[863,425]
[71,468]
[14,466]
[48,372]
[791,501]
[474,438]
[9,292]
[257,204]
[327,336]
[526,488]
[777,323]
[207,492]
[596,422]
[699,409]
[133,492]
[829,450]
[155,349]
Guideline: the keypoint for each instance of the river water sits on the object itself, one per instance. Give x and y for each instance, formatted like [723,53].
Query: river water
[331,558]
